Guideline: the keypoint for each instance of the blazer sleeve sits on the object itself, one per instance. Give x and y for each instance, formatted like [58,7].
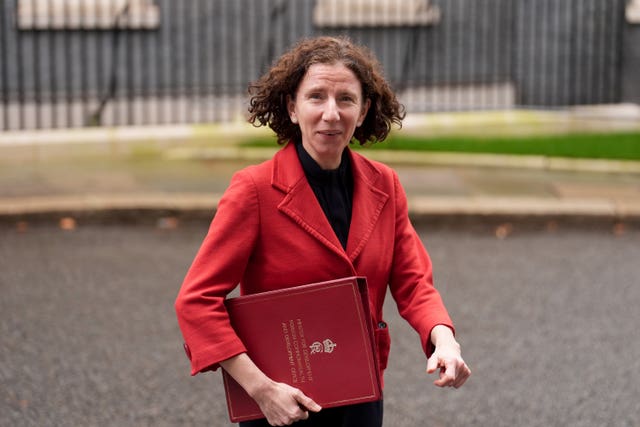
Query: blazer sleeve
[216,270]
[411,283]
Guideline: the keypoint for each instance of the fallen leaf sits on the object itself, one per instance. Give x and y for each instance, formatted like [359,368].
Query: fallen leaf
[67,224]
[619,228]
[504,230]
[167,223]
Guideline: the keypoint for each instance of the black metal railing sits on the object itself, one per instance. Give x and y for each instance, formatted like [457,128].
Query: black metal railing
[72,63]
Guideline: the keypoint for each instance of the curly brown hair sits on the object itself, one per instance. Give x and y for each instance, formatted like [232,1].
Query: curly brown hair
[268,95]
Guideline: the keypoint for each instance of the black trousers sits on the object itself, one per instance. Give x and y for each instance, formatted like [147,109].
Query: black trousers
[360,415]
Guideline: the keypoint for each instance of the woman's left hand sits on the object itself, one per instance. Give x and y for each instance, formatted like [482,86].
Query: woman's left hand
[453,370]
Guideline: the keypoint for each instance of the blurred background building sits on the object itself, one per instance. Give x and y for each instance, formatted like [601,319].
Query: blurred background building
[74,63]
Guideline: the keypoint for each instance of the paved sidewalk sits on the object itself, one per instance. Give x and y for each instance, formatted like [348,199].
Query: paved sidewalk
[166,186]
[180,171]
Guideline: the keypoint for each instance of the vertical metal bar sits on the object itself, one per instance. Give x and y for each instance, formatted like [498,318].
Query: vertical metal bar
[162,49]
[500,61]
[148,71]
[200,59]
[52,36]
[531,45]
[129,46]
[448,58]
[520,55]
[4,69]
[231,50]
[172,75]
[115,82]
[588,53]
[263,38]
[510,43]
[487,44]
[554,20]
[607,24]
[20,76]
[68,71]
[568,63]
[186,74]
[435,32]
[615,48]
[545,41]
[421,81]
[187,62]
[602,64]
[577,69]
[140,70]
[523,48]
[157,64]
[595,53]
[215,65]
[423,76]
[253,41]
[35,52]
[189,57]
[469,59]
[460,58]
[83,64]
[99,61]
[597,57]
[241,57]
[532,63]
[209,61]
[307,29]
[225,69]
[235,60]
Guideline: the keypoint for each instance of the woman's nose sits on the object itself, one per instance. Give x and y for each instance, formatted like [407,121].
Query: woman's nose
[330,112]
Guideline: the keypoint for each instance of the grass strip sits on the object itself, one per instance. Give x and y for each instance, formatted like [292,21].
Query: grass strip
[617,146]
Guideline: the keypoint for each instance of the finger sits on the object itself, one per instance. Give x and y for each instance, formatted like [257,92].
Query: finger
[432,364]
[304,416]
[307,403]
[463,375]
[451,371]
[447,375]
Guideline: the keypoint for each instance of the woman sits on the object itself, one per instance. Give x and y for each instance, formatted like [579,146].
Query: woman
[316,211]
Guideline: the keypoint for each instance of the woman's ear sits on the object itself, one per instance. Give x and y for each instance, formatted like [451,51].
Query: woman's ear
[291,108]
[363,113]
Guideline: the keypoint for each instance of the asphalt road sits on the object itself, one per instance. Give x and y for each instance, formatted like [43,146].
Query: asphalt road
[548,320]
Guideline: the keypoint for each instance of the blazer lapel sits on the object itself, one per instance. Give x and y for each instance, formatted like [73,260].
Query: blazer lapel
[368,201]
[300,203]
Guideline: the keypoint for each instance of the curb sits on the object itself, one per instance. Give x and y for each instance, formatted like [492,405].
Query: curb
[203,205]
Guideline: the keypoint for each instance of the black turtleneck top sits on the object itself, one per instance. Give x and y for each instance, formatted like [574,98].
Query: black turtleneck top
[333,189]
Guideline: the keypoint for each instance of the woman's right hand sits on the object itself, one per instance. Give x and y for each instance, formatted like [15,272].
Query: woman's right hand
[282,404]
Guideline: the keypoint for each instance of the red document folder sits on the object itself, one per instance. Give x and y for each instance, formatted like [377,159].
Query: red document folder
[318,338]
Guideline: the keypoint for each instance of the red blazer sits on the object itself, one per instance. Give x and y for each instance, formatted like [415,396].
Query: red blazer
[270,232]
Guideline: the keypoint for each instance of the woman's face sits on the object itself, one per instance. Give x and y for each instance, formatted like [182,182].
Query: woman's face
[328,106]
